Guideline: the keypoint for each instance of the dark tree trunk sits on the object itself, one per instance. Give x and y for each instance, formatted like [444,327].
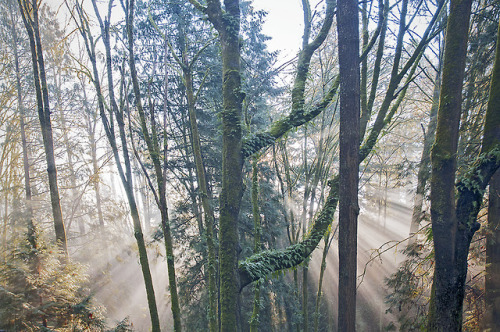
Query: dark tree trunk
[348,39]
[492,286]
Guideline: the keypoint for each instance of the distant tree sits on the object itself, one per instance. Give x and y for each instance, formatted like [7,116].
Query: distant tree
[110,114]
[29,13]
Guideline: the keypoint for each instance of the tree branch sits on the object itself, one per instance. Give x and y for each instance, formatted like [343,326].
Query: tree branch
[260,265]
[295,119]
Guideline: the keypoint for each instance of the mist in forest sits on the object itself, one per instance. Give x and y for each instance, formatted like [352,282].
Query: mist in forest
[252,166]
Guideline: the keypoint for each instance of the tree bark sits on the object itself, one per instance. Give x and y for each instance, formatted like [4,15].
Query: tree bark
[348,39]
[423,168]
[254,320]
[445,312]
[492,286]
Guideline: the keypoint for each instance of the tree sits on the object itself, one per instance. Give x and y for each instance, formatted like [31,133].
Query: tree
[124,170]
[348,36]
[227,22]
[454,208]
[29,13]
[152,143]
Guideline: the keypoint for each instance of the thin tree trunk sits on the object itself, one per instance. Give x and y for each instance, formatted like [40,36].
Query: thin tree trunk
[327,242]
[154,152]
[254,320]
[24,143]
[29,13]
[424,171]
[91,130]
[125,173]
[205,195]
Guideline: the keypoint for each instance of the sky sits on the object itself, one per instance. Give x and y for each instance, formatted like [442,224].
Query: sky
[284,22]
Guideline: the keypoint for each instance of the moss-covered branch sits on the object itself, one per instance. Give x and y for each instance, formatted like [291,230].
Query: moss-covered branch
[262,264]
[260,140]
[471,187]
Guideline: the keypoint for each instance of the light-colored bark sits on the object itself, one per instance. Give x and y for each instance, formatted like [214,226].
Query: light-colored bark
[29,13]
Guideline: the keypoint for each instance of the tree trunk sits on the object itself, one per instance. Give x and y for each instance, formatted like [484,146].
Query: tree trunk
[327,242]
[24,143]
[154,153]
[125,173]
[492,286]
[254,320]
[29,13]
[348,39]
[446,305]
[423,168]
[205,196]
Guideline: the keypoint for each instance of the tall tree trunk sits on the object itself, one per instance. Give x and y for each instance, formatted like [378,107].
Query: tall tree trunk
[254,320]
[446,306]
[205,195]
[29,13]
[423,168]
[154,153]
[24,143]
[124,170]
[492,286]
[232,162]
[348,39]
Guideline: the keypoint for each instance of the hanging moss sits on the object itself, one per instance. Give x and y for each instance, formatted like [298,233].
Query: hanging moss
[296,118]
[260,265]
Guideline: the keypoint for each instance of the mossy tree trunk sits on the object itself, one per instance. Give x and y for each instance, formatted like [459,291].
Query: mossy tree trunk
[227,23]
[29,13]
[492,286]
[454,208]
[348,39]
[254,320]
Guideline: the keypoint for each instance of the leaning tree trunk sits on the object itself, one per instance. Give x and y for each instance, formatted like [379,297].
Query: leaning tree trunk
[348,39]
[124,170]
[423,168]
[154,152]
